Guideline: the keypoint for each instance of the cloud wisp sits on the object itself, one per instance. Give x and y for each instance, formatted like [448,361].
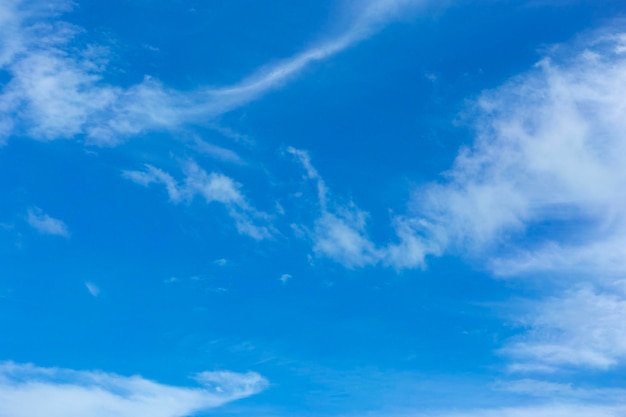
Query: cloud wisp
[93,289]
[340,230]
[367,19]
[45,224]
[55,92]
[213,188]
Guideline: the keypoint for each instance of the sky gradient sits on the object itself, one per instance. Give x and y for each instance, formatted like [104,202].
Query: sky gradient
[376,208]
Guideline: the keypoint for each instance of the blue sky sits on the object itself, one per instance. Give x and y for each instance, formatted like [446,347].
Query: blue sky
[378,208]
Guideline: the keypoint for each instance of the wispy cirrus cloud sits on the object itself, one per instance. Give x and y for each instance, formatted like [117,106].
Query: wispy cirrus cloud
[213,188]
[31,391]
[367,19]
[340,232]
[58,91]
[45,224]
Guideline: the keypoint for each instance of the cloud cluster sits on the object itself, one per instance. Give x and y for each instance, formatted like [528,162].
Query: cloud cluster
[31,391]
[548,157]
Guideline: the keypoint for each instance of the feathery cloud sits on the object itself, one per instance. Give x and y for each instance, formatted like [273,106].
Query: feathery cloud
[31,391]
[213,188]
[340,230]
[61,93]
[582,328]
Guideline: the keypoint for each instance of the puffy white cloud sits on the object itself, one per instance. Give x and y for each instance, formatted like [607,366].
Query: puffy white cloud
[30,391]
[45,224]
[548,149]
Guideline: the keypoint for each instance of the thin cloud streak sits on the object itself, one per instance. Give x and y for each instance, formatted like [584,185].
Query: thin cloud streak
[369,19]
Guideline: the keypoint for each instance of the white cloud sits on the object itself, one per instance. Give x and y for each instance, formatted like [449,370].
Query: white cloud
[218,152]
[285,277]
[548,155]
[93,289]
[153,175]
[220,262]
[30,391]
[366,19]
[339,232]
[343,238]
[57,92]
[582,328]
[225,382]
[535,388]
[548,148]
[213,188]
[45,224]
